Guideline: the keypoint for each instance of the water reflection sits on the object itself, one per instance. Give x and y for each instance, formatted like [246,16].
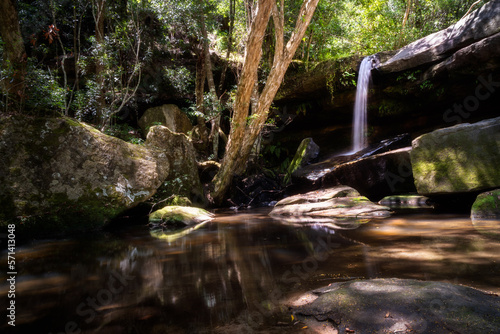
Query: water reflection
[229,275]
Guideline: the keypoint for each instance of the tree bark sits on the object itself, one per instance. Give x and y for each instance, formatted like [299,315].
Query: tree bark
[14,52]
[99,7]
[232,9]
[244,129]
[215,120]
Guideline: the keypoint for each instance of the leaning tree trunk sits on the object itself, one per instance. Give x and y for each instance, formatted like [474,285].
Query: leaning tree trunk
[245,129]
[14,52]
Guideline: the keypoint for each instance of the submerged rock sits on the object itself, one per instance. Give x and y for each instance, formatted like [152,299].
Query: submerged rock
[402,306]
[60,175]
[168,115]
[461,158]
[407,202]
[326,204]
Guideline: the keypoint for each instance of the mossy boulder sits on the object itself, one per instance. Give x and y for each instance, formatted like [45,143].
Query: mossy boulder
[461,158]
[183,178]
[168,115]
[487,205]
[180,215]
[400,306]
[60,175]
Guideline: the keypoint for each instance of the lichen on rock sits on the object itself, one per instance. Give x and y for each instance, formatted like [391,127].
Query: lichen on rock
[60,175]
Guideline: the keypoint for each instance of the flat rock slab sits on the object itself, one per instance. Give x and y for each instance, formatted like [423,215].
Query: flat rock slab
[326,204]
[402,306]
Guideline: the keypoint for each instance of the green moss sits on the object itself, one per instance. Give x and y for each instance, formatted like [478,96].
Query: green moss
[179,214]
[487,205]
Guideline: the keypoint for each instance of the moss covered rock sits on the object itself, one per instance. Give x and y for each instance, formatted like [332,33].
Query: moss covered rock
[180,215]
[59,175]
[487,205]
[460,158]
[307,152]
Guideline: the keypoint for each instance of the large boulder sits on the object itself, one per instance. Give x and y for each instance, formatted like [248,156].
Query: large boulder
[374,176]
[401,306]
[461,158]
[168,115]
[58,174]
[479,24]
[326,204]
[183,178]
[482,55]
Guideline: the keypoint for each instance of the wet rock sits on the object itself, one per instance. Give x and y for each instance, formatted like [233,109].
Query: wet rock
[402,306]
[306,153]
[487,205]
[180,215]
[373,176]
[478,25]
[336,202]
[168,115]
[461,158]
[407,202]
[60,175]
[183,178]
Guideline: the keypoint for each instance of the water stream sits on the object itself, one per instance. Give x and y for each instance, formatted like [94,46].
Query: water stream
[359,120]
[230,275]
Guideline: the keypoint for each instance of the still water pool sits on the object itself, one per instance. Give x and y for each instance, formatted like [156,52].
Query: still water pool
[232,275]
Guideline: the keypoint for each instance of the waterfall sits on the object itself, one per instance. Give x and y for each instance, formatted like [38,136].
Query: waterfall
[359,119]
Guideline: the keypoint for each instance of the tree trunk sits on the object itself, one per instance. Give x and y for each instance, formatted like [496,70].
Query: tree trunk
[232,9]
[99,18]
[244,129]
[215,120]
[199,92]
[14,53]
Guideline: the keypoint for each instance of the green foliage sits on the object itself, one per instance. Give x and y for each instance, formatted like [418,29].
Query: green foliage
[180,78]
[44,94]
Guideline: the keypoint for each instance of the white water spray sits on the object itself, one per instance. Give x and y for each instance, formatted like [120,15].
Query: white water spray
[359,119]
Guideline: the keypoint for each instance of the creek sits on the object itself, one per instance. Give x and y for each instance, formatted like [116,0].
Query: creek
[233,274]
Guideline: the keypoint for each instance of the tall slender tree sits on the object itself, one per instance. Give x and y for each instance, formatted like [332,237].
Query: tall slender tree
[245,127]
[14,62]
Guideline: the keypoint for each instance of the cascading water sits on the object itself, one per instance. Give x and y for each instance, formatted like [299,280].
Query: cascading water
[359,119]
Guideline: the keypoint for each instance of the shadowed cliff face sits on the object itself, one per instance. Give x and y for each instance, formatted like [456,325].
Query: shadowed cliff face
[450,77]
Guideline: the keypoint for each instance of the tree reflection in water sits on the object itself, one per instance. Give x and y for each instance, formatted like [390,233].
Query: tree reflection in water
[230,274]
